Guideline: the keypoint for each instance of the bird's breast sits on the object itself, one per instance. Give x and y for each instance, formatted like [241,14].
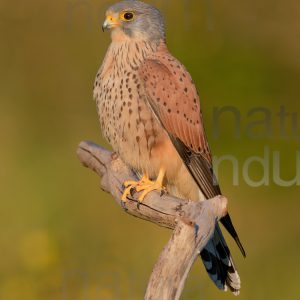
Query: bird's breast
[126,121]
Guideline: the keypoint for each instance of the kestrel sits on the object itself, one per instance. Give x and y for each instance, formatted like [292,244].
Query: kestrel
[150,113]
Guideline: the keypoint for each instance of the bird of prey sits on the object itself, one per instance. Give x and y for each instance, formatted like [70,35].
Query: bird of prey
[149,112]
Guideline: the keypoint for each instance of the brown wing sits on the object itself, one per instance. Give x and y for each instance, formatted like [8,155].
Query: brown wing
[175,101]
[172,95]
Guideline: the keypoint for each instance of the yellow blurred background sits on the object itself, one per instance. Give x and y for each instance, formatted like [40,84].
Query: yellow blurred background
[61,237]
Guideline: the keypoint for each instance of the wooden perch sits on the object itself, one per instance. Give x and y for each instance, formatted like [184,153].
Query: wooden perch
[193,222]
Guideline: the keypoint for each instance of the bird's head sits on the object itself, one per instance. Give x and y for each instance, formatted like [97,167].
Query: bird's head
[134,19]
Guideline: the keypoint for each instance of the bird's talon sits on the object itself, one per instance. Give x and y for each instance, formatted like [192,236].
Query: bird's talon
[126,193]
[130,187]
[145,186]
[132,191]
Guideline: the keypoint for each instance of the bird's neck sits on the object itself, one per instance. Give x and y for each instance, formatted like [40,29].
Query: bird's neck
[133,52]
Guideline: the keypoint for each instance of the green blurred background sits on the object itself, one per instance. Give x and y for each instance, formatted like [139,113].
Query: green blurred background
[61,237]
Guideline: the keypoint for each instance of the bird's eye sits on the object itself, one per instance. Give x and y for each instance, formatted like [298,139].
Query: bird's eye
[127,16]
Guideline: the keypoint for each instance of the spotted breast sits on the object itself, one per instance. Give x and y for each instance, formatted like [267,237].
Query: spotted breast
[126,120]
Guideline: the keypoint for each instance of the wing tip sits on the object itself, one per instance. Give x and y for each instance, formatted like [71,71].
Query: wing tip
[227,223]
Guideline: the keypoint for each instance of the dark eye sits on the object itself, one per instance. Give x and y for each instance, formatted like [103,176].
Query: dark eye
[128,16]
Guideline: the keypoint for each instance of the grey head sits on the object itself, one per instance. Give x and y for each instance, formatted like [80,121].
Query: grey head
[136,19]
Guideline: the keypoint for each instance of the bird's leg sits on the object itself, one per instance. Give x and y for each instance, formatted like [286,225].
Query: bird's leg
[130,185]
[152,185]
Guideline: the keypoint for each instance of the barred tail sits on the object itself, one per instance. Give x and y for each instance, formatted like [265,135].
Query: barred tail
[219,264]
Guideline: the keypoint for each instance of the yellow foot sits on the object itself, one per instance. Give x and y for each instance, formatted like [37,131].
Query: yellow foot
[133,185]
[145,185]
[146,189]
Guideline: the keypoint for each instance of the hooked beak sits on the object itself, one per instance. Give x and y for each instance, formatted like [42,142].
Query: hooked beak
[110,22]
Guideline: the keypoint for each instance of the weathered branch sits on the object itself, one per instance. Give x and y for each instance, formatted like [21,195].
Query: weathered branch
[194,222]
